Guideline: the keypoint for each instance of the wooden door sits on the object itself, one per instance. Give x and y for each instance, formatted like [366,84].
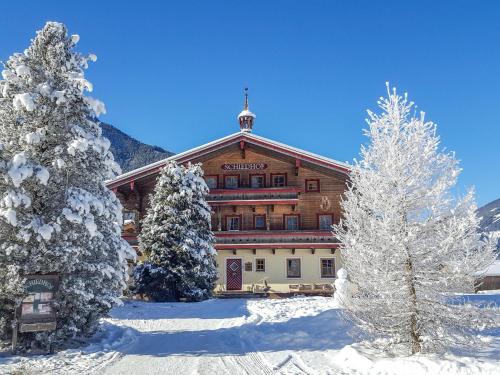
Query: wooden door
[234,274]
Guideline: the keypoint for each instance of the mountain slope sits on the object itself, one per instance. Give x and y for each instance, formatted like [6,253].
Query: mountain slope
[490,214]
[129,153]
[490,222]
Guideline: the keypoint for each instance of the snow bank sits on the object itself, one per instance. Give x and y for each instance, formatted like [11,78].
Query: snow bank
[351,359]
[100,351]
[302,335]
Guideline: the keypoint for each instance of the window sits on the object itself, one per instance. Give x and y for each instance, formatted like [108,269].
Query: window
[212,181]
[231,182]
[291,222]
[129,217]
[312,186]
[259,221]
[325,221]
[327,267]
[129,224]
[260,265]
[248,266]
[258,181]
[278,180]
[293,268]
[233,223]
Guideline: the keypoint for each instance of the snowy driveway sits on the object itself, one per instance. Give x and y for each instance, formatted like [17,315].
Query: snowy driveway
[217,337]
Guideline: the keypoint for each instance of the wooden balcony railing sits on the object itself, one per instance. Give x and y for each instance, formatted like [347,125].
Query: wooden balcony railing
[283,195]
[270,237]
[228,240]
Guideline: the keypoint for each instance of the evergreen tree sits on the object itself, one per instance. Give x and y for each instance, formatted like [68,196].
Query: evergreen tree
[407,244]
[56,214]
[177,238]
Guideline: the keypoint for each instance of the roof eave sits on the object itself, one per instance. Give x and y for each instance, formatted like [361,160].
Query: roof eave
[222,142]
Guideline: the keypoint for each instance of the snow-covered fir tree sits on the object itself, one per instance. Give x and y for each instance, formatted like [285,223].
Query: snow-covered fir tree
[407,243]
[56,214]
[177,238]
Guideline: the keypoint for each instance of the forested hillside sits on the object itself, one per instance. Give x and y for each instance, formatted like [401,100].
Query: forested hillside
[129,152]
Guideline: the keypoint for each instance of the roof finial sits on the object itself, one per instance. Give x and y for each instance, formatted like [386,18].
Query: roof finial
[246,99]
[246,118]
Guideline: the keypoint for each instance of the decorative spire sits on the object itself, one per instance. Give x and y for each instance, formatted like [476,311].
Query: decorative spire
[246,118]
[246,99]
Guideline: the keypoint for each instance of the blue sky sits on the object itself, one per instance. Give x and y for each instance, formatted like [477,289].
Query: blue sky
[172,73]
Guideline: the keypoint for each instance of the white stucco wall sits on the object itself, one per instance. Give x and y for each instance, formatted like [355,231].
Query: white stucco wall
[276,267]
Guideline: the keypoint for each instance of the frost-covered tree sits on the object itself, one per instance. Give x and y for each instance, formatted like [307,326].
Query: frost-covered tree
[177,238]
[407,243]
[56,214]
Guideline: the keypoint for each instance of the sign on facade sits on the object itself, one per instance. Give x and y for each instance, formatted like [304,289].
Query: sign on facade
[243,166]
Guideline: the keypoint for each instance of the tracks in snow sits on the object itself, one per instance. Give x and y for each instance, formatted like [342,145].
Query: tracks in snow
[250,362]
[293,364]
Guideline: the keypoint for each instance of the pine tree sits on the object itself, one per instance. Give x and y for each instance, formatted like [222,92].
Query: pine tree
[56,214]
[177,238]
[407,243]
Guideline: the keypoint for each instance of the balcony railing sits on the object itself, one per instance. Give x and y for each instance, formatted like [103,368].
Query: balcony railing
[270,237]
[283,195]
[226,240]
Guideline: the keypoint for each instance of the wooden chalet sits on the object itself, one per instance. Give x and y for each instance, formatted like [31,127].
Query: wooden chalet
[273,207]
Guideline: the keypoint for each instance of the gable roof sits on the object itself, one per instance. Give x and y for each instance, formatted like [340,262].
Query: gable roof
[207,148]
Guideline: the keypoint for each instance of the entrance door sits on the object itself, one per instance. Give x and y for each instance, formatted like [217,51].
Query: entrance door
[233,274]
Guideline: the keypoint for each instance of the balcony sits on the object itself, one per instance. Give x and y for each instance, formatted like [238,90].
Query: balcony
[275,239]
[259,239]
[253,196]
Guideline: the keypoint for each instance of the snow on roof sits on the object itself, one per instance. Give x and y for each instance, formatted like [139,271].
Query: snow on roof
[246,112]
[494,269]
[303,152]
[248,137]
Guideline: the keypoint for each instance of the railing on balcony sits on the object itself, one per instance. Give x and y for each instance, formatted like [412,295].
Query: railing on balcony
[259,237]
[288,195]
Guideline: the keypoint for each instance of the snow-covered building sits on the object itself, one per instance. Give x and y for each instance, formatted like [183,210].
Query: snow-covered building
[491,277]
[273,207]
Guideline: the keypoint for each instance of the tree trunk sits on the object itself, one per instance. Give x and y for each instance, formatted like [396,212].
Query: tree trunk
[416,339]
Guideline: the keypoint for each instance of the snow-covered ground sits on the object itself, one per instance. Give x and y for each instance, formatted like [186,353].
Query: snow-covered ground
[237,336]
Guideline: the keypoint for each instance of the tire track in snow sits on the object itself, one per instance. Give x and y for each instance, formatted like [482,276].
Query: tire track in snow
[253,364]
[250,362]
[293,363]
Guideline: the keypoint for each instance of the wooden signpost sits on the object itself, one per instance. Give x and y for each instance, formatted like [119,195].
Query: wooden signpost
[36,313]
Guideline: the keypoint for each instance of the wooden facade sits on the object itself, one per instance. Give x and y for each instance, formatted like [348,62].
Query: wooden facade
[268,200]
